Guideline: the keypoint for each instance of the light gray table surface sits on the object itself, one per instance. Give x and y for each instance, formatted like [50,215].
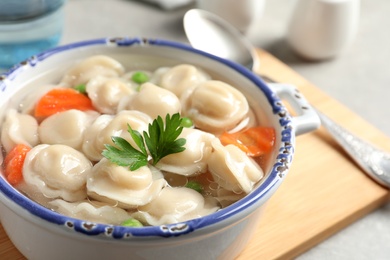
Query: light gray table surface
[359,78]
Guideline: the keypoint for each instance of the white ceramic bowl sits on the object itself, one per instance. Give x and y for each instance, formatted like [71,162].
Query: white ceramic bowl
[40,233]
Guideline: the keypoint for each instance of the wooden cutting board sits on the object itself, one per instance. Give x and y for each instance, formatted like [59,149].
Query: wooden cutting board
[323,192]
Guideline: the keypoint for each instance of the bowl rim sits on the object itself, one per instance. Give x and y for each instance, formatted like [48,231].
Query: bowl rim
[249,203]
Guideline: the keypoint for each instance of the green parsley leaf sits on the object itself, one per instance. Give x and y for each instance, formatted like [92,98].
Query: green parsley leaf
[161,140]
[138,139]
[123,154]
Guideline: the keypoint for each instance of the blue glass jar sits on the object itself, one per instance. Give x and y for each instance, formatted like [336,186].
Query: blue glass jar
[28,27]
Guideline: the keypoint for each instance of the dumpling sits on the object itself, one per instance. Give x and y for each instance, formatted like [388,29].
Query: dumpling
[175,204]
[215,106]
[193,160]
[111,183]
[105,93]
[93,211]
[105,126]
[182,77]
[93,141]
[66,127]
[91,67]
[157,75]
[226,197]
[154,101]
[57,171]
[19,129]
[232,169]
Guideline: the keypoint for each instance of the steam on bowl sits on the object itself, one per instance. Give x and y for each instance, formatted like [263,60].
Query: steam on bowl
[219,228]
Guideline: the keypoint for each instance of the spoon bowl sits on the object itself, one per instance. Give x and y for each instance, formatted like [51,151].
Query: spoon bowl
[229,43]
[223,40]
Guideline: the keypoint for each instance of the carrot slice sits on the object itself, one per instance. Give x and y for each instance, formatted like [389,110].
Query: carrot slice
[254,141]
[13,163]
[61,99]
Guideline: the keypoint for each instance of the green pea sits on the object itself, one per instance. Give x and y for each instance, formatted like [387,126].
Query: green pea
[131,222]
[81,88]
[140,77]
[195,186]
[186,122]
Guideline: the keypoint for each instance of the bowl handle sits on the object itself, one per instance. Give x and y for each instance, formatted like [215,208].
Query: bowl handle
[305,118]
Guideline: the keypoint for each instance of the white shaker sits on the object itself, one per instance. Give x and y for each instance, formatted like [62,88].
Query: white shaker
[240,13]
[321,29]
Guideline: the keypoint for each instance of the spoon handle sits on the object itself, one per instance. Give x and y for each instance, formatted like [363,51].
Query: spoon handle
[375,162]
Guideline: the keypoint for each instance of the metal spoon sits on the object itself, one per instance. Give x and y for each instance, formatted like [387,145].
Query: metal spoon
[208,32]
